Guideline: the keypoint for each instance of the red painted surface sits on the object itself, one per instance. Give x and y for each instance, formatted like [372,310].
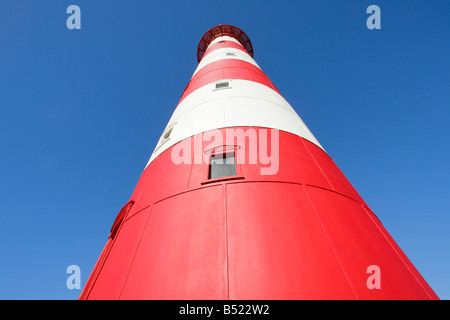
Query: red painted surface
[227,69]
[303,233]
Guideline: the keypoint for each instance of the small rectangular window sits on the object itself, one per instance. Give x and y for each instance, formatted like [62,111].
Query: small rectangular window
[221,85]
[165,136]
[222,165]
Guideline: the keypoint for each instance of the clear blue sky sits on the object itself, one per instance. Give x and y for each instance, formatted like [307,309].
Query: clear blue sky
[82,110]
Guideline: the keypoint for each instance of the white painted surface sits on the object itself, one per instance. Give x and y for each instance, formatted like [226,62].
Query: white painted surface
[244,103]
[224,38]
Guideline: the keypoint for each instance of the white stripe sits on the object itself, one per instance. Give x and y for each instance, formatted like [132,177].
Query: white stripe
[244,103]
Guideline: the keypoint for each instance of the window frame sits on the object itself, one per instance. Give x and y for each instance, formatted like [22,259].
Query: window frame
[165,136]
[224,151]
[221,82]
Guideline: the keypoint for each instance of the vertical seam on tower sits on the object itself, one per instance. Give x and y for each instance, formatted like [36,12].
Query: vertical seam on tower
[225,271]
[396,252]
[108,248]
[331,244]
[137,248]
[192,160]
[96,272]
[317,164]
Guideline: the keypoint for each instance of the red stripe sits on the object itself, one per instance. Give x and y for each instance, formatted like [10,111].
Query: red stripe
[287,236]
[224,44]
[227,69]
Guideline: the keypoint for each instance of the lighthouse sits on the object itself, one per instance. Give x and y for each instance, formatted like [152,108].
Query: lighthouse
[240,201]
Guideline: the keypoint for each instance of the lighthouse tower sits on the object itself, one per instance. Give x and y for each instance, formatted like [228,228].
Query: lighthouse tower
[240,201]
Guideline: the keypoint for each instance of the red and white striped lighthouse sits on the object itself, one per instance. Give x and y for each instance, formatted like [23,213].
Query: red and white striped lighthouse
[240,201]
